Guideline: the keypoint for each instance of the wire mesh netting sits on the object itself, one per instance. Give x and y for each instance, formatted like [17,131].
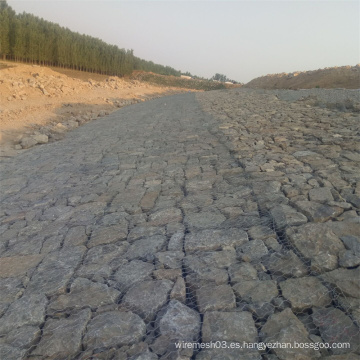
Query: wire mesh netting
[166,231]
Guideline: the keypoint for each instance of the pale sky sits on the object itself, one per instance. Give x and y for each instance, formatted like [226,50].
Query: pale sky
[241,39]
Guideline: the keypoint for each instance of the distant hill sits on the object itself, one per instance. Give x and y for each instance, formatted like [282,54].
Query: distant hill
[347,77]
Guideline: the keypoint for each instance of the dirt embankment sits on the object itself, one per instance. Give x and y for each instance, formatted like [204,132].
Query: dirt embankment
[347,77]
[38,104]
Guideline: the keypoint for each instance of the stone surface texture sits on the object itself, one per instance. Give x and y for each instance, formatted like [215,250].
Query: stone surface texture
[227,216]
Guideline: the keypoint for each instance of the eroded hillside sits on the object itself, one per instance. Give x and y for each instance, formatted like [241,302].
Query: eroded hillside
[347,77]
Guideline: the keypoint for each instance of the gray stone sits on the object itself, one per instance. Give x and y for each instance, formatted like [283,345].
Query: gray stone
[10,289]
[109,234]
[229,326]
[85,214]
[252,251]
[318,244]
[166,216]
[354,200]
[75,236]
[149,199]
[214,239]
[52,243]
[317,212]
[13,266]
[242,271]
[211,298]
[322,195]
[177,321]
[345,281]
[256,290]
[176,241]
[28,310]
[352,243]
[28,142]
[261,310]
[305,153]
[206,275]
[178,292]
[3,308]
[145,356]
[112,218]
[285,263]
[173,228]
[53,274]
[348,227]
[95,272]
[41,138]
[169,274]
[11,353]
[148,297]
[272,244]
[349,356]
[62,338]
[106,254]
[145,249]
[351,306]
[19,246]
[228,353]
[217,259]
[131,273]
[305,293]
[84,293]
[170,259]
[307,321]
[261,232]
[139,232]
[137,349]
[23,337]
[59,212]
[269,195]
[165,347]
[285,215]
[336,327]
[351,256]
[114,328]
[194,186]
[204,220]
[284,327]
[347,258]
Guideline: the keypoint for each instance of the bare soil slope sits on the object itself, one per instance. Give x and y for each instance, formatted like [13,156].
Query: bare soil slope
[347,77]
[35,100]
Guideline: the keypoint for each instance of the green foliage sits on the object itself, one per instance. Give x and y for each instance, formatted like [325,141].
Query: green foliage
[219,77]
[25,37]
[222,78]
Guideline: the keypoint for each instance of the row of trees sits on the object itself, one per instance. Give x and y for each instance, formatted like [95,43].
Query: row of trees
[27,38]
[222,78]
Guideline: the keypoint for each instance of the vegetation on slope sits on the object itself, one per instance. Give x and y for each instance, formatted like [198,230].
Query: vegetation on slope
[177,82]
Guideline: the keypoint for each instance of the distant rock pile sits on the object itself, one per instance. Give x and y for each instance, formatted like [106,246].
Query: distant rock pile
[347,77]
